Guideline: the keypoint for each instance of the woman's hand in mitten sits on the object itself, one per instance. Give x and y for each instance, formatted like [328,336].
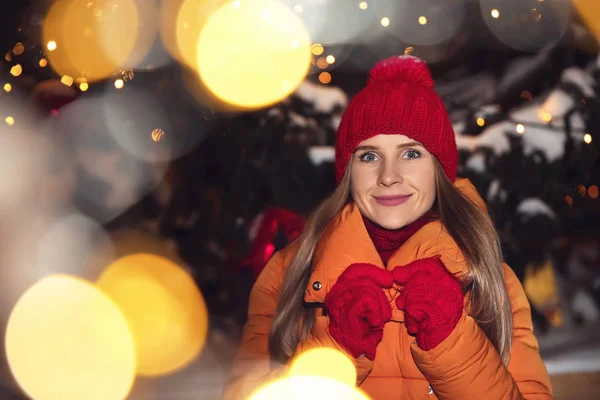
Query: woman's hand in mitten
[431,298]
[358,308]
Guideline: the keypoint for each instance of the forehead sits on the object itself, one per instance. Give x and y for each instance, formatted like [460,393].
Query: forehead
[385,141]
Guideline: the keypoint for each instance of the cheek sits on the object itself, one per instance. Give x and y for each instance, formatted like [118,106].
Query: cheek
[360,181]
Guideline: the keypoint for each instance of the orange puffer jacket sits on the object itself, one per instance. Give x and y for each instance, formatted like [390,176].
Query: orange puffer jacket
[464,366]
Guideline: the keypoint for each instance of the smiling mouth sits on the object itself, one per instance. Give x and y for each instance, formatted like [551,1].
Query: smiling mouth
[391,201]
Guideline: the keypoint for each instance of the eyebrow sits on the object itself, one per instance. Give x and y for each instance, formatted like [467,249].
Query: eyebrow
[400,146]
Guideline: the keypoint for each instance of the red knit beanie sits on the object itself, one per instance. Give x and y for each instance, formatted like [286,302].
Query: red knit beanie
[398,99]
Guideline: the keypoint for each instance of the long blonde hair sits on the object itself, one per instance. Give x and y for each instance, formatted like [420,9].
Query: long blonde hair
[471,229]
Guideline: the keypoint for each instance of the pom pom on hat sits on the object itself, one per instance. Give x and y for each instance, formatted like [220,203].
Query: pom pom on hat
[401,69]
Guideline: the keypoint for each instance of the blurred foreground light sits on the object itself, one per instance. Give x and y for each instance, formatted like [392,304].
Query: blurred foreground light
[308,387]
[164,308]
[10,121]
[119,83]
[593,191]
[363,5]
[587,138]
[422,20]
[66,340]
[520,129]
[83,86]
[43,63]
[7,87]
[522,27]
[385,21]
[18,49]
[90,39]
[325,363]
[254,55]
[589,12]
[480,121]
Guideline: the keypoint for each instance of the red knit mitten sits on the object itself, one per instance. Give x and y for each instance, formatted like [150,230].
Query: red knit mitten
[358,308]
[432,300]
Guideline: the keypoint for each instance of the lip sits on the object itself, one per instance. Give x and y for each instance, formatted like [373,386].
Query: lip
[391,201]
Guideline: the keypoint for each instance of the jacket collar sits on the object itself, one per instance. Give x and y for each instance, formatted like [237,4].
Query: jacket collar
[346,241]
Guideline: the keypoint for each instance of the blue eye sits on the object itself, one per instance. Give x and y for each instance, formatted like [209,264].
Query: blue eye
[368,157]
[412,154]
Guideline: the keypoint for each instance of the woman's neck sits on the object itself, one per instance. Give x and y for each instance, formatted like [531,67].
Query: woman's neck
[387,241]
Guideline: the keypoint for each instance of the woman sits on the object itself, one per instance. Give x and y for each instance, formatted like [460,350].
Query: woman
[439,314]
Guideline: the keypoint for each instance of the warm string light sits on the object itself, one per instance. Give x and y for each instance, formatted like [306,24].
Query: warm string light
[520,129]
[480,121]
[385,21]
[587,138]
[16,70]
[119,83]
[325,78]
[317,49]
[10,121]
[495,13]
[7,87]
[363,5]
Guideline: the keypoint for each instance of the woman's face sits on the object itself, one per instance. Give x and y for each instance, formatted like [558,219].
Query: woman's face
[392,180]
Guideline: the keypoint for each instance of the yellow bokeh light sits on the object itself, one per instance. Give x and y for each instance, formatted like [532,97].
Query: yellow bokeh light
[317,49]
[589,12]
[480,121]
[7,87]
[385,21]
[67,340]
[158,135]
[83,86]
[308,387]
[422,20]
[94,41]
[326,363]
[10,121]
[119,83]
[587,138]
[330,59]
[16,70]
[520,129]
[43,63]
[254,55]
[325,78]
[363,5]
[182,22]
[495,13]
[67,80]
[164,308]
[544,116]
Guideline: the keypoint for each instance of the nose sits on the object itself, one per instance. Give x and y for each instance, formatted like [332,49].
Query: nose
[389,174]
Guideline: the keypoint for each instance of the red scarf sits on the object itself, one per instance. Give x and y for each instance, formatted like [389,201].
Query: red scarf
[388,241]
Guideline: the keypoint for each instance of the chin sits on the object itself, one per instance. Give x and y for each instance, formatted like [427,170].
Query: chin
[390,222]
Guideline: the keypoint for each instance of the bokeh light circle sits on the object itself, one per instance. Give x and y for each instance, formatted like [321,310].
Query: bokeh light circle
[423,22]
[326,363]
[527,25]
[253,53]
[589,11]
[66,340]
[308,387]
[90,39]
[164,308]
